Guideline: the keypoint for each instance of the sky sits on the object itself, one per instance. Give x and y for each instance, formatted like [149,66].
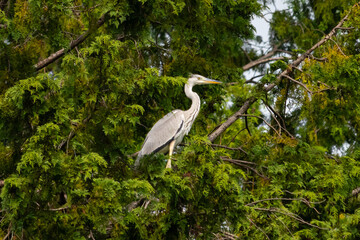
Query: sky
[262,27]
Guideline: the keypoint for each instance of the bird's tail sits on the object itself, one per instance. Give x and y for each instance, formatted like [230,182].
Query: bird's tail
[137,161]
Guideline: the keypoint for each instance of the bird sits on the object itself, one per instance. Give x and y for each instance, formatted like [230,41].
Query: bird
[170,130]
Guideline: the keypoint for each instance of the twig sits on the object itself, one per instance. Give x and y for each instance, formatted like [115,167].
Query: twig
[355,192]
[289,214]
[318,59]
[236,135]
[338,47]
[72,134]
[346,28]
[91,235]
[260,61]
[286,199]
[229,148]
[259,228]
[246,125]
[8,233]
[283,122]
[277,218]
[249,115]
[239,163]
[230,235]
[300,83]
[58,209]
[53,57]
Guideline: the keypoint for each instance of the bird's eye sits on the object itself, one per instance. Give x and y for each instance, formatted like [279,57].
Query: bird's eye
[198,78]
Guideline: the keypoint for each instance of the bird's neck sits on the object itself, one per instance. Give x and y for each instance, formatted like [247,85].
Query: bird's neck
[195,105]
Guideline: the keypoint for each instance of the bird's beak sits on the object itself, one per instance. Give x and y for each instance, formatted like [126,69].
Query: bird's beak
[212,81]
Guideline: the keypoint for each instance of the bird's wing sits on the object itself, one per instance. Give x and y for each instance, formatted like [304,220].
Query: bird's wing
[163,132]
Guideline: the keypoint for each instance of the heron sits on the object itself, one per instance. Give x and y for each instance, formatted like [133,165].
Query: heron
[170,130]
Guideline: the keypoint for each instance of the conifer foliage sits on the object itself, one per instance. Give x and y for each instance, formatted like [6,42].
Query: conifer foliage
[271,157]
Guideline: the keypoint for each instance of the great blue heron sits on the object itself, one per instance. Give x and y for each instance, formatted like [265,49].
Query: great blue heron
[169,131]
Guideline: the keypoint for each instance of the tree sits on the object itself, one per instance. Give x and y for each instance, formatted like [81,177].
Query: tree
[82,82]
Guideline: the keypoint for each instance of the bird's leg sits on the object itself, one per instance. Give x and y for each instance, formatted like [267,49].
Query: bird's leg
[171,148]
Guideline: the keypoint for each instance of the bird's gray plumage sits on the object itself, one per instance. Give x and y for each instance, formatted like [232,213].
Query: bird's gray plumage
[170,130]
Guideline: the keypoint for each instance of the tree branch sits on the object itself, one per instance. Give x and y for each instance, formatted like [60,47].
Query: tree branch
[253,99]
[264,59]
[289,214]
[72,134]
[259,228]
[229,148]
[2,183]
[53,57]
[300,83]
[241,163]
[260,61]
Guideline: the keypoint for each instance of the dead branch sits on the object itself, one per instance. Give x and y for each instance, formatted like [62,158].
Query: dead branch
[303,200]
[260,61]
[281,126]
[247,125]
[289,214]
[277,218]
[8,233]
[229,148]
[338,47]
[53,57]
[355,192]
[216,133]
[241,164]
[318,59]
[236,135]
[237,161]
[58,209]
[2,183]
[249,115]
[300,83]
[258,228]
[71,135]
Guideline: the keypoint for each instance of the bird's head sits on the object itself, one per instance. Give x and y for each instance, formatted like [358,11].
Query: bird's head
[196,79]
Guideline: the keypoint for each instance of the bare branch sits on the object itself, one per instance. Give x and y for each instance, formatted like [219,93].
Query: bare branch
[338,47]
[91,235]
[71,135]
[216,133]
[300,83]
[249,115]
[53,57]
[260,61]
[289,214]
[229,148]
[237,161]
[355,192]
[2,183]
[318,59]
[277,218]
[259,228]
[346,28]
[282,199]
[282,126]
[58,209]
[245,165]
